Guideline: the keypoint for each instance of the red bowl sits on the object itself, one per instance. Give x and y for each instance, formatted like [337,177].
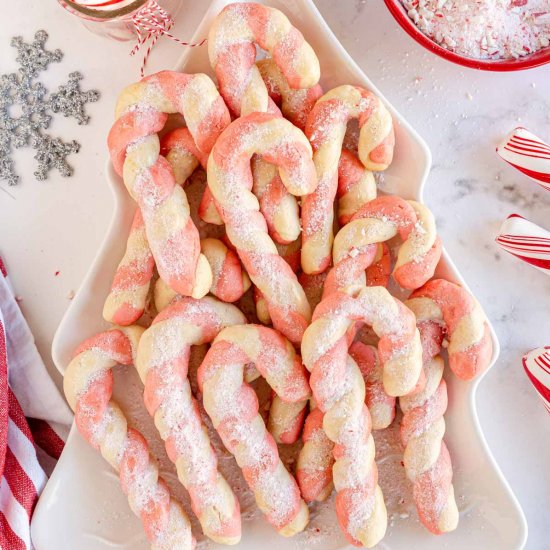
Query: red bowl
[527,62]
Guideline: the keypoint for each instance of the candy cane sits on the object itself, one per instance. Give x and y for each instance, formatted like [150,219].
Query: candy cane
[526,240]
[162,363]
[230,180]
[445,303]
[325,128]
[231,48]
[527,153]
[134,147]
[537,367]
[233,407]
[128,296]
[88,386]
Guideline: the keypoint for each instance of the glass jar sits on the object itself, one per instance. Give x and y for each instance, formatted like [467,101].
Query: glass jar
[113,18]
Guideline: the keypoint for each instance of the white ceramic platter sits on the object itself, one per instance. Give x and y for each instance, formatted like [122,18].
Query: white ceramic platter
[83,507]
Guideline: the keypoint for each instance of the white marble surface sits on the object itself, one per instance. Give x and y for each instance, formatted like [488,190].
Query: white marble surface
[58,225]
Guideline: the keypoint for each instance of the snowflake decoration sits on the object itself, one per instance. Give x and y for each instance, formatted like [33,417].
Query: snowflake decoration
[34,58]
[70,99]
[51,153]
[26,110]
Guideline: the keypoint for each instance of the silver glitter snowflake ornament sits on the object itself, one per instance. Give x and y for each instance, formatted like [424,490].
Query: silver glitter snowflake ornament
[51,153]
[34,57]
[26,110]
[71,100]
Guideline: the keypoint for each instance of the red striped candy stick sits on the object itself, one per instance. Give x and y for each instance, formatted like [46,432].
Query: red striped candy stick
[537,367]
[529,154]
[526,240]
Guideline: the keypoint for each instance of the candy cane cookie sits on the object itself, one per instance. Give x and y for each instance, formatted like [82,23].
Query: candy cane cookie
[126,301]
[381,405]
[326,128]
[88,386]
[180,150]
[141,112]
[128,296]
[426,458]
[470,345]
[376,222]
[295,104]
[229,280]
[232,51]
[162,363]
[316,459]
[339,391]
[419,254]
[277,205]
[230,180]
[356,186]
[233,407]
[286,420]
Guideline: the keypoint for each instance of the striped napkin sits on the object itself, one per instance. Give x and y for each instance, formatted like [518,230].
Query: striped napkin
[34,421]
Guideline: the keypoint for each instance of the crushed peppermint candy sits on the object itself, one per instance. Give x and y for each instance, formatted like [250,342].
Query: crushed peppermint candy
[484,29]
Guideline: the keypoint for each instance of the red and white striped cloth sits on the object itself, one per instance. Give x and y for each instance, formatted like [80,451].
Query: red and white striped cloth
[526,240]
[34,421]
[537,366]
[529,154]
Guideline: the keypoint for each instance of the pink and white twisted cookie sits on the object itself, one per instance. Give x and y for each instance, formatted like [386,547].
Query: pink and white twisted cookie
[376,222]
[229,280]
[381,405]
[448,304]
[181,151]
[426,458]
[339,391]
[230,180]
[232,51]
[141,112]
[356,186]
[128,296]
[88,386]
[326,128]
[233,407]
[162,363]
[295,103]
[126,301]
[277,205]
[286,420]
[316,459]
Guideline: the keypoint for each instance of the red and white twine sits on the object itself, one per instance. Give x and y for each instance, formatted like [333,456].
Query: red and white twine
[150,23]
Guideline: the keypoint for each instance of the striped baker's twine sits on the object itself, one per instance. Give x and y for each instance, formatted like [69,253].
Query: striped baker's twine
[150,23]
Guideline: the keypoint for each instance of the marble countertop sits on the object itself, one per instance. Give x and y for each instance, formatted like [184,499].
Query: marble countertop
[57,225]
